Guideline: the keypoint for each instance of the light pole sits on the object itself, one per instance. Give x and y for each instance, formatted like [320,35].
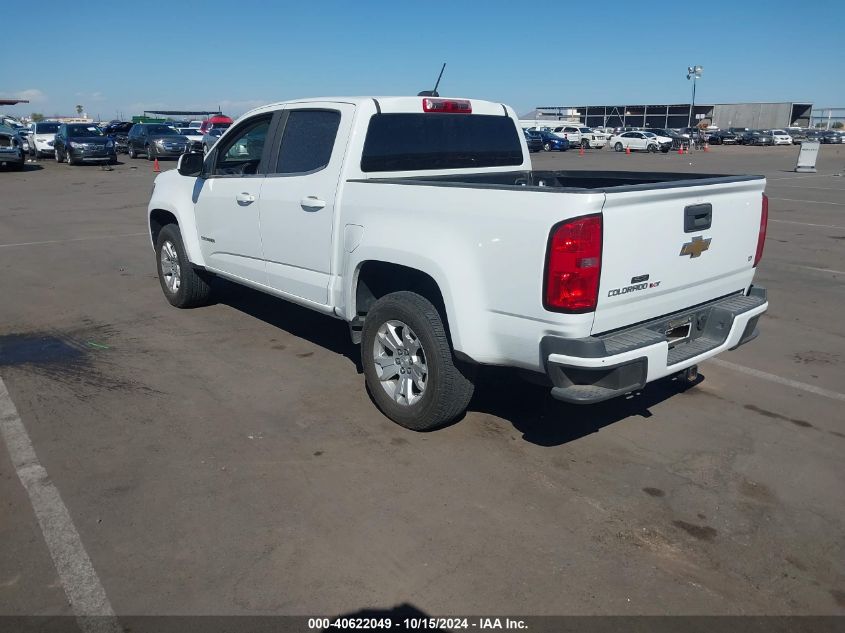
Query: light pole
[693,72]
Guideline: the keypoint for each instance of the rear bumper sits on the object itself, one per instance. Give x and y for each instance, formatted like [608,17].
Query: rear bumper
[592,369]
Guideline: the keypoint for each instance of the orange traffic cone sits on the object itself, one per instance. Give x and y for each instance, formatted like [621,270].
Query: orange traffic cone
[581,151]
[628,150]
[680,150]
[706,147]
[156,168]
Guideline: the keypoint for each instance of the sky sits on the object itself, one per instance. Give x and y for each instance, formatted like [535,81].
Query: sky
[121,58]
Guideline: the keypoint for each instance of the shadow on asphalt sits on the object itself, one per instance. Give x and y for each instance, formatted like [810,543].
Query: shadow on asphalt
[26,167]
[322,330]
[501,392]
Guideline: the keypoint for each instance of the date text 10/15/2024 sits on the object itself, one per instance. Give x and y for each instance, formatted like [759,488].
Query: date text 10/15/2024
[417,623]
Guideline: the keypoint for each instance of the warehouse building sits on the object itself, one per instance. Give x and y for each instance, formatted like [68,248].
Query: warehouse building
[723,115]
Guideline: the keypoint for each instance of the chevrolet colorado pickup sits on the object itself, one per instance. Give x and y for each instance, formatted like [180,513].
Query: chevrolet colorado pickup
[420,222]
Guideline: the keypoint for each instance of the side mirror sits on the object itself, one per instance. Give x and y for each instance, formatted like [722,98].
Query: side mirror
[190,164]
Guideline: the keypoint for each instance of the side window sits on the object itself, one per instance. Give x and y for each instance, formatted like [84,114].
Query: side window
[307,141]
[571,129]
[240,155]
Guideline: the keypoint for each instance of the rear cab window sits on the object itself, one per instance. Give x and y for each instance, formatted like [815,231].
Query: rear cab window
[426,141]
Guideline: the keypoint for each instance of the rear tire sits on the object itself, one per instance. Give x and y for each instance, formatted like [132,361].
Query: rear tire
[182,285]
[547,147]
[131,151]
[436,388]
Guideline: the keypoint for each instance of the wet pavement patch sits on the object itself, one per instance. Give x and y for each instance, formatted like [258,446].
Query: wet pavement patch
[36,349]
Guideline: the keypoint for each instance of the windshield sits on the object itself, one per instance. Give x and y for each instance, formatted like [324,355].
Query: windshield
[162,130]
[649,134]
[84,130]
[585,130]
[46,128]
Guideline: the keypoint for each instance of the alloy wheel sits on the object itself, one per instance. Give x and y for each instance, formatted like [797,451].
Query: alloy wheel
[400,362]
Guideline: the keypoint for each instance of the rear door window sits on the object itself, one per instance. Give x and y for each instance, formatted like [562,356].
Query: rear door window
[307,141]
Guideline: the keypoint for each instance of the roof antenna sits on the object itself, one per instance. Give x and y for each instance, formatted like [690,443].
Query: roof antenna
[433,93]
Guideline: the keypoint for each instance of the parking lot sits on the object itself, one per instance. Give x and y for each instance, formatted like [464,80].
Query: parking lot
[227,460]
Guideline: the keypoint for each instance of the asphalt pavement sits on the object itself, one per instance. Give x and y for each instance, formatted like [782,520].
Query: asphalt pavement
[227,460]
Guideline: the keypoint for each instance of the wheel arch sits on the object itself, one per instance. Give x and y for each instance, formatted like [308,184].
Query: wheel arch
[160,214]
[375,278]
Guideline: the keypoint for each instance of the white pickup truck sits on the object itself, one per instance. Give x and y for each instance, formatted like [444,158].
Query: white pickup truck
[420,222]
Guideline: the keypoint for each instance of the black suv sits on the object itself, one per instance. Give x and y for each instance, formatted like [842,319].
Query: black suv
[83,142]
[155,140]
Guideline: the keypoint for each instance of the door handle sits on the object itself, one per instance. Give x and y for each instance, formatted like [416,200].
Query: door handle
[312,203]
[245,198]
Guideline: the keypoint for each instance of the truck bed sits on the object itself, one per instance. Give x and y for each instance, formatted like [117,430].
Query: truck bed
[571,181]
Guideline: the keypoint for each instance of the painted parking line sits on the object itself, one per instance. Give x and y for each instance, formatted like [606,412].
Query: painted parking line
[823,226]
[802,177]
[75,239]
[814,188]
[79,580]
[836,204]
[803,386]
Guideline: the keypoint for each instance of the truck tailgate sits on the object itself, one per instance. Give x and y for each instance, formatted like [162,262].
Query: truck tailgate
[673,247]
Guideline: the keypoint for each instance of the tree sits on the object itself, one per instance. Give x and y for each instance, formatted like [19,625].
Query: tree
[79,109]
[36,116]
[837,125]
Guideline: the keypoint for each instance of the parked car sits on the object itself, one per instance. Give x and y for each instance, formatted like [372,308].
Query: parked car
[11,148]
[23,133]
[194,138]
[831,136]
[155,140]
[533,140]
[550,292]
[722,137]
[757,137]
[664,143]
[780,137]
[739,133]
[210,138]
[798,135]
[552,142]
[216,122]
[119,131]
[578,134]
[83,142]
[636,141]
[42,137]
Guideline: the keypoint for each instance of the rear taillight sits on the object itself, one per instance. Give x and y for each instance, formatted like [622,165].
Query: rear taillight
[573,265]
[452,106]
[764,223]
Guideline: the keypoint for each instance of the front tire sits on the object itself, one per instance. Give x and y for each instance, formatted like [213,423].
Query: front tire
[182,285]
[131,151]
[618,147]
[585,144]
[148,149]
[409,367]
